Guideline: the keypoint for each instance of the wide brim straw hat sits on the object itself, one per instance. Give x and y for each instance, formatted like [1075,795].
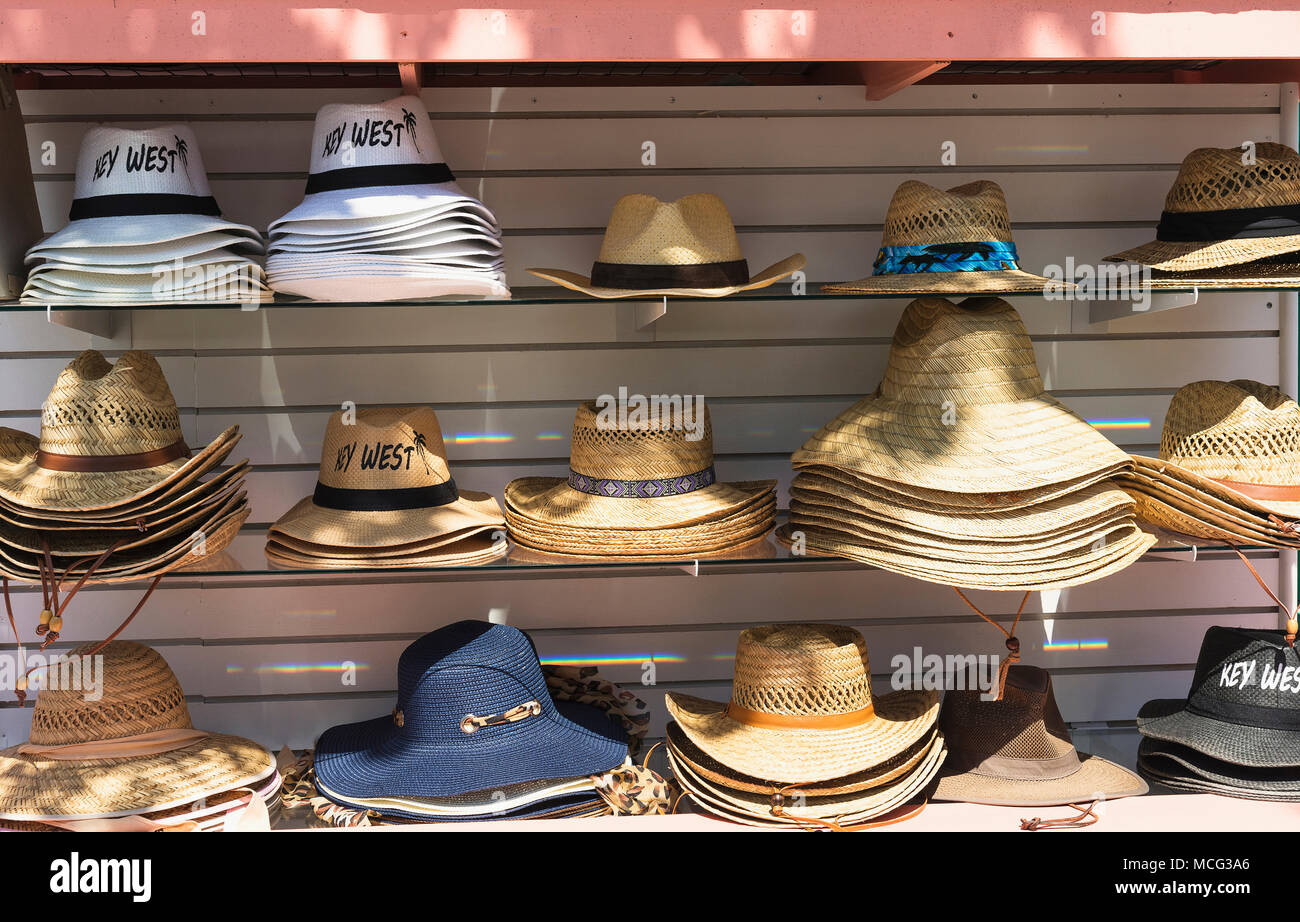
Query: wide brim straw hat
[962,409]
[817,718]
[687,248]
[551,502]
[1121,548]
[341,528]
[1175,510]
[1173,765]
[161,237]
[47,779]
[966,227]
[464,552]
[757,548]
[1236,212]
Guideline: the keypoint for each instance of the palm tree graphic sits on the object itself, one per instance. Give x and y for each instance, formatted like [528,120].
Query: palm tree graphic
[183,149]
[422,446]
[408,119]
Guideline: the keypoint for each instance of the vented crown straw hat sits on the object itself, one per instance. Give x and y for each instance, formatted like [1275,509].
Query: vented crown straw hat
[953,241]
[383,482]
[141,187]
[110,433]
[962,409]
[801,708]
[126,747]
[686,248]
[1223,212]
[1016,751]
[473,713]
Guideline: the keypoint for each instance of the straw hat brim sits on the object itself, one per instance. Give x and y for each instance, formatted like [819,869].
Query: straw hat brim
[36,789]
[162,234]
[31,488]
[375,207]
[844,809]
[759,548]
[1186,764]
[1169,719]
[1096,779]
[1176,473]
[318,525]
[1188,256]
[550,501]
[466,552]
[392,550]
[1171,511]
[769,276]
[1060,573]
[901,718]
[993,281]
[988,448]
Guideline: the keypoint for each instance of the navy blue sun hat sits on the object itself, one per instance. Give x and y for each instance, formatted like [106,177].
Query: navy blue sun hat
[473,713]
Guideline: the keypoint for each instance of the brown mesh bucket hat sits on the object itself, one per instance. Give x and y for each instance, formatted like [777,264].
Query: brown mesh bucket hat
[1016,751]
[1222,213]
[686,249]
[954,241]
[384,484]
[801,708]
[130,750]
[110,436]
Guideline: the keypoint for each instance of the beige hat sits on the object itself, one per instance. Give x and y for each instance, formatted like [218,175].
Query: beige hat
[954,241]
[384,482]
[801,708]
[128,748]
[686,249]
[1223,212]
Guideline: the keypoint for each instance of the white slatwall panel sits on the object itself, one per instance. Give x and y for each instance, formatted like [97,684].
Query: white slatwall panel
[1085,170]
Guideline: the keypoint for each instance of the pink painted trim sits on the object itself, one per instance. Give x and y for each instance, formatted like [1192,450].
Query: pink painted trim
[143,31]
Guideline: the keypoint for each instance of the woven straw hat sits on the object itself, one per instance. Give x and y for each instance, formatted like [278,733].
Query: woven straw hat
[954,241]
[384,482]
[1165,502]
[962,409]
[1222,212]
[801,708]
[110,436]
[686,249]
[634,485]
[1016,751]
[47,778]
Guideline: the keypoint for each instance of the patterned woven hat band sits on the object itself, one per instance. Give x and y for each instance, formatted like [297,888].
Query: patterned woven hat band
[124,690]
[390,448]
[621,443]
[802,670]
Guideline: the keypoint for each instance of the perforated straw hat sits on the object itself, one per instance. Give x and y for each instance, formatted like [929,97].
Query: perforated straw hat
[110,436]
[687,248]
[1223,212]
[801,708]
[1016,751]
[954,241]
[384,482]
[128,747]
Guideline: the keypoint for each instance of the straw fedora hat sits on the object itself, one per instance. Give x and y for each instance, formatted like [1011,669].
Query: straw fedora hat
[686,249]
[1016,751]
[384,481]
[954,241]
[1222,212]
[962,409]
[110,436]
[801,708]
[131,750]
[643,476]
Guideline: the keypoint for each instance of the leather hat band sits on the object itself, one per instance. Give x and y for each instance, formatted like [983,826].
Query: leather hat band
[102,464]
[1279,493]
[800,722]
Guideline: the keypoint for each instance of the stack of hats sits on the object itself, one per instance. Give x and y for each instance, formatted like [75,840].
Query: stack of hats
[145,228]
[639,488]
[383,218]
[682,249]
[386,498]
[956,241]
[803,742]
[1228,468]
[110,490]
[1016,751]
[1231,220]
[124,755]
[476,734]
[960,469]
[1238,731]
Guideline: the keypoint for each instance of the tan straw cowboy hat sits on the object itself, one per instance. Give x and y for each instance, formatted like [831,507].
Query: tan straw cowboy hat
[686,249]
[954,241]
[801,708]
[130,749]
